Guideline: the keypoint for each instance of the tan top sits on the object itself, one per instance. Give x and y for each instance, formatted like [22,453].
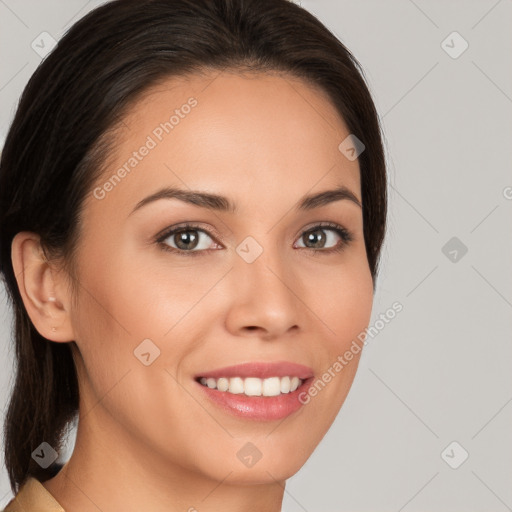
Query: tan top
[33,497]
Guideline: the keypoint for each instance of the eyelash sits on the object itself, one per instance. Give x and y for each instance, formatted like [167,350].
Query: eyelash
[345,235]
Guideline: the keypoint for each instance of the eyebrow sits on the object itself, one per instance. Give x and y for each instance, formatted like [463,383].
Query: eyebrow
[223,204]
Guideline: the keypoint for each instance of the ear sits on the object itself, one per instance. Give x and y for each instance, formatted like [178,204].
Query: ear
[43,288]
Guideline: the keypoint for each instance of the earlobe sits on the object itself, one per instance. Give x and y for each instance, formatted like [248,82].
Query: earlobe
[42,288]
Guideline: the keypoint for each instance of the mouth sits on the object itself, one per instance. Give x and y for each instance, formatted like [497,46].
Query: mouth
[257,391]
[253,386]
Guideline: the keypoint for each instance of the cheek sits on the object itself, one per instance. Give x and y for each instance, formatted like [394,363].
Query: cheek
[349,307]
[342,298]
[154,293]
[130,298]
[345,299]
[126,300]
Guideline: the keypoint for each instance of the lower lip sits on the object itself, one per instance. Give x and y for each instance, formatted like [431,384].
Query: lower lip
[263,408]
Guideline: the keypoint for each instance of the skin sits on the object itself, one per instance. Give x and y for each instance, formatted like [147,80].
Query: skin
[264,141]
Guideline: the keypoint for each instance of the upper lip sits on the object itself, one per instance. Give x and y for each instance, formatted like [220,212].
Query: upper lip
[261,370]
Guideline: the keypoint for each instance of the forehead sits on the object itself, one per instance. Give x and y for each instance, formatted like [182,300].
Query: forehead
[256,136]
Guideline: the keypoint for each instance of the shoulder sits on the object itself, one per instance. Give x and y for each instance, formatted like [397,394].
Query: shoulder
[32,496]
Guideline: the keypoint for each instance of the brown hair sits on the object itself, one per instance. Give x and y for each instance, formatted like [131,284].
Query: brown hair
[58,141]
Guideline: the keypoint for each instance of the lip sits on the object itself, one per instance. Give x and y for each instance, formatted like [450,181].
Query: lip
[262,370]
[260,408]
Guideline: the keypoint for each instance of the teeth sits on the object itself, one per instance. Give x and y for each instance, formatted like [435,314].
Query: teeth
[252,386]
[236,385]
[294,384]
[223,384]
[271,387]
[285,385]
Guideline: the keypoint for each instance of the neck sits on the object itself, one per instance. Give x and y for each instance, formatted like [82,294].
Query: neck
[112,470]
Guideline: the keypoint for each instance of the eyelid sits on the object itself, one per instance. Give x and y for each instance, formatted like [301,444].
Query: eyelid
[346,235]
[189,225]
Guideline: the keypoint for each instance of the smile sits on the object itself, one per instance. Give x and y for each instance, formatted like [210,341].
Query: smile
[253,386]
[257,391]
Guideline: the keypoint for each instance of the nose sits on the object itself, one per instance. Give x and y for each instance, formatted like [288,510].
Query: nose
[264,300]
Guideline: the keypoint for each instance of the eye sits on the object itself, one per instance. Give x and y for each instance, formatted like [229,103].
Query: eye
[326,238]
[191,240]
[186,239]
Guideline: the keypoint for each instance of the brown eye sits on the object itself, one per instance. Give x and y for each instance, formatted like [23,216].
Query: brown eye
[316,238]
[326,238]
[186,240]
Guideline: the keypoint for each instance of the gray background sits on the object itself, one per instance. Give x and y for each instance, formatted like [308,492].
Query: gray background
[441,370]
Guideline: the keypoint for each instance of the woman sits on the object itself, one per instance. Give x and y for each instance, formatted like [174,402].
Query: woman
[192,207]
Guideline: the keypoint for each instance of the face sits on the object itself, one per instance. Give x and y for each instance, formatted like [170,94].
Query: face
[259,275]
